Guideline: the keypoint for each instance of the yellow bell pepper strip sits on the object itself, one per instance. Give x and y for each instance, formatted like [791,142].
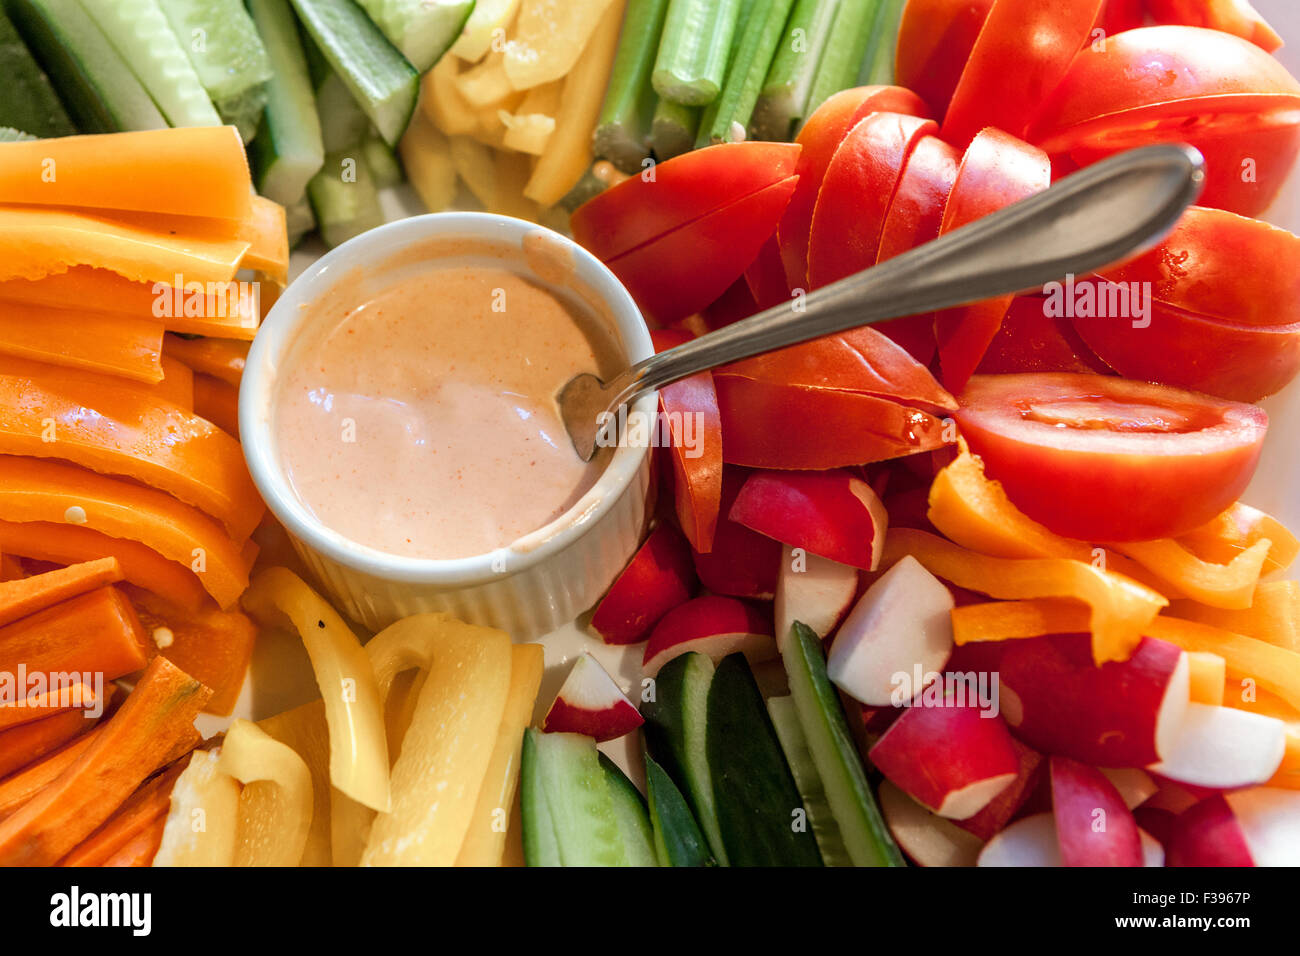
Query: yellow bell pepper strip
[973,510]
[203,820]
[353,709]
[1119,607]
[1274,669]
[1273,615]
[1237,529]
[446,751]
[305,730]
[485,840]
[1229,585]
[1207,672]
[275,804]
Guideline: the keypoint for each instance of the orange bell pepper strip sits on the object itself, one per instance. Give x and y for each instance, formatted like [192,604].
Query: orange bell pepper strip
[1288,774]
[120,431]
[176,385]
[1273,615]
[62,543]
[28,595]
[35,243]
[1013,620]
[1120,608]
[221,358]
[1229,585]
[1240,527]
[268,240]
[226,309]
[35,489]
[128,346]
[218,402]
[973,510]
[1207,673]
[1273,668]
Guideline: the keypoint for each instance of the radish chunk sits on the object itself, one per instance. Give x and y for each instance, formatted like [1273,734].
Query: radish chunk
[1093,825]
[1208,834]
[1121,714]
[590,703]
[1224,748]
[902,624]
[1030,841]
[953,759]
[659,577]
[1010,798]
[929,840]
[1270,824]
[814,591]
[828,513]
[712,625]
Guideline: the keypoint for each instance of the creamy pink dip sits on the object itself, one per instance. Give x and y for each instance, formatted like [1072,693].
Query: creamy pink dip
[421,420]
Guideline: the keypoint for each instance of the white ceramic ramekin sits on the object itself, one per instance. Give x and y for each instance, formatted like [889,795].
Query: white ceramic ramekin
[532,586]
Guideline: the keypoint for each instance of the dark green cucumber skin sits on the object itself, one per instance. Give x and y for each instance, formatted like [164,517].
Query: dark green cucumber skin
[805,642]
[753,788]
[28,101]
[677,835]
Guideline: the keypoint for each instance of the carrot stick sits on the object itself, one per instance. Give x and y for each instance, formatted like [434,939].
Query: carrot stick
[142,848]
[268,239]
[156,717]
[109,344]
[33,706]
[29,595]
[199,171]
[144,808]
[11,569]
[69,544]
[96,632]
[28,743]
[217,401]
[18,788]
[220,358]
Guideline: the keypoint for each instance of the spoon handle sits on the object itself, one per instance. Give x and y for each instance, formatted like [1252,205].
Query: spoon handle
[1089,220]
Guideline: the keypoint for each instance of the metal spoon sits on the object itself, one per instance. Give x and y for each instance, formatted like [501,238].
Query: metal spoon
[1085,222]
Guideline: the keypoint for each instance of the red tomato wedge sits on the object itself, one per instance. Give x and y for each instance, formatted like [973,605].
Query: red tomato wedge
[935,38]
[914,218]
[1120,15]
[1030,340]
[765,277]
[856,192]
[691,407]
[677,192]
[996,171]
[1237,17]
[819,139]
[685,270]
[1107,459]
[1022,52]
[742,563]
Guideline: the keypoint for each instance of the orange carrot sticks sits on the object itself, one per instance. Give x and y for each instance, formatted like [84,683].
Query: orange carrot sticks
[97,632]
[28,743]
[28,595]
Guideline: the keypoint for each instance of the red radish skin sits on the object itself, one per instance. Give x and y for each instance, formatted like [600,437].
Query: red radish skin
[927,839]
[714,625]
[1208,835]
[831,514]
[950,759]
[903,621]
[590,703]
[813,590]
[1093,825]
[1121,714]
[1224,748]
[659,577]
[742,563]
[1009,801]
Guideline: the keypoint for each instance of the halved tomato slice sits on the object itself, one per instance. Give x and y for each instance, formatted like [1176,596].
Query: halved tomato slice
[1108,459]
[935,39]
[1237,17]
[1031,340]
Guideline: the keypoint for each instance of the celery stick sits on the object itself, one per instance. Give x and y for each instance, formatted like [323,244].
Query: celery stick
[761,29]
[694,49]
[672,131]
[783,103]
[878,65]
[141,34]
[623,130]
[851,37]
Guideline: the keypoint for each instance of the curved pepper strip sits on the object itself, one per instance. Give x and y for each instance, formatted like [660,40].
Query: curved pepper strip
[1229,585]
[1120,608]
[205,787]
[121,431]
[128,346]
[35,489]
[275,806]
[220,358]
[353,707]
[1241,526]
[305,730]
[1273,615]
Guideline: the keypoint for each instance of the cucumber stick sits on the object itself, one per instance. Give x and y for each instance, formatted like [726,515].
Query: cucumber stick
[227,55]
[288,150]
[631,815]
[848,792]
[384,85]
[141,34]
[728,117]
[785,719]
[694,50]
[677,837]
[851,38]
[421,29]
[782,106]
[569,817]
[342,123]
[383,162]
[878,65]
[675,737]
[623,129]
[92,80]
[27,100]
[344,198]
